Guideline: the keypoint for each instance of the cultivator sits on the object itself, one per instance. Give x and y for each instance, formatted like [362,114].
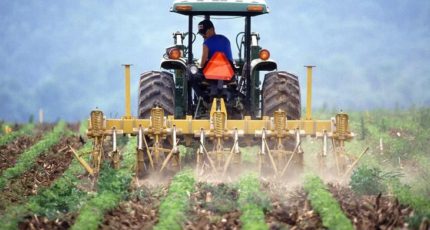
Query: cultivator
[219,139]
[230,107]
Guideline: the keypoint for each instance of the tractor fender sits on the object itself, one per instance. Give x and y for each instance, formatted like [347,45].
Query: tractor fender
[173,64]
[263,65]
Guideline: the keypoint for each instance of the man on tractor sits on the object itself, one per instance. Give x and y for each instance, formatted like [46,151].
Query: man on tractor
[217,60]
[213,42]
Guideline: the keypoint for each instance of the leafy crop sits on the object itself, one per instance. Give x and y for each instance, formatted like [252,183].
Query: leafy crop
[420,204]
[25,130]
[252,203]
[325,204]
[26,159]
[174,206]
[112,188]
[367,180]
[62,196]
[224,197]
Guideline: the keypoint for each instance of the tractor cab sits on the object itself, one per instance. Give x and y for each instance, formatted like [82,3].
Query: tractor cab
[236,82]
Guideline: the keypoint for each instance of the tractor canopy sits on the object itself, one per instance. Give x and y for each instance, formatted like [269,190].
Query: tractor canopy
[217,7]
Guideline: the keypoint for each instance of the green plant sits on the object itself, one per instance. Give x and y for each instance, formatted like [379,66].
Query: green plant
[325,204]
[224,197]
[112,188]
[25,130]
[61,197]
[173,207]
[370,180]
[252,203]
[250,154]
[420,204]
[27,159]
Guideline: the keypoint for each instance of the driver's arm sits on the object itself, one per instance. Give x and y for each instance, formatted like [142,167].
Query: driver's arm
[205,55]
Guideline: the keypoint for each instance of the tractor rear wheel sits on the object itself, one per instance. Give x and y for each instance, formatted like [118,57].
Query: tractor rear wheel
[281,90]
[156,89]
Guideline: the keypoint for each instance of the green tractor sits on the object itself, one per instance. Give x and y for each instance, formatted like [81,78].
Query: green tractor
[173,109]
[172,91]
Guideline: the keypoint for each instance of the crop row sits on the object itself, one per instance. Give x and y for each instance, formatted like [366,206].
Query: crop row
[173,207]
[113,187]
[325,204]
[25,130]
[252,203]
[26,159]
[420,204]
[62,196]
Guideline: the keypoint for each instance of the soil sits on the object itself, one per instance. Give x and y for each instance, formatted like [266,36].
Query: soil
[49,166]
[9,153]
[139,212]
[371,212]
[39,222]
[290,209]
[213,206]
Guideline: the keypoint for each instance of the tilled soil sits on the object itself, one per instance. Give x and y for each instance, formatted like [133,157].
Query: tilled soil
[290,209]
[39,222]
[213,206]
[9,153]
[49,166]
[140,212]
[371,212]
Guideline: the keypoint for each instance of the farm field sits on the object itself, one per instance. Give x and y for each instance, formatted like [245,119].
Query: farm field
[44,187]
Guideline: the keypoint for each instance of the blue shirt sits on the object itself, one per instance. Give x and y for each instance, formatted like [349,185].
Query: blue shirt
[219,43]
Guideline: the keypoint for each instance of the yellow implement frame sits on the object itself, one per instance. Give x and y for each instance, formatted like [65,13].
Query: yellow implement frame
[217,129]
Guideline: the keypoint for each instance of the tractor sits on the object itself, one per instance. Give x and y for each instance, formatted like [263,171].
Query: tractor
[173,111]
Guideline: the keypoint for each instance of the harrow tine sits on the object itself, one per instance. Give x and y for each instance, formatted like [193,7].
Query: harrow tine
[209,158]
[353,164]
[270,156]
[142,137]
[336,157]
[289,160]
[325,144]
[168,158]
[230,156]
[82,161]
[298,141]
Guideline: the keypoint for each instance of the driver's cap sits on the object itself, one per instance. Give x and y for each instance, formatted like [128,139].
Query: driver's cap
[204,26]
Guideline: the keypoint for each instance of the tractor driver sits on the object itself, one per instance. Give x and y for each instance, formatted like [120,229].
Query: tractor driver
[213,42]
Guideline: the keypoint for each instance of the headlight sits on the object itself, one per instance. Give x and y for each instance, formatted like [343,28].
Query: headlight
[194,69]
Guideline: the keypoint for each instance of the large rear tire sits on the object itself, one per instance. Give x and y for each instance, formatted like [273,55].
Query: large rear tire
[281,90]
[156,89]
